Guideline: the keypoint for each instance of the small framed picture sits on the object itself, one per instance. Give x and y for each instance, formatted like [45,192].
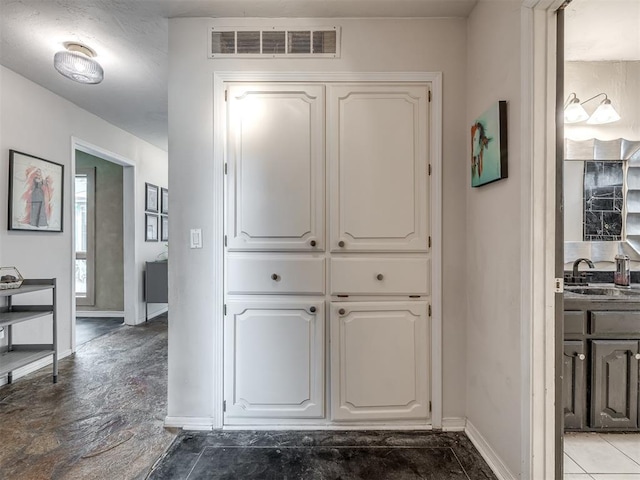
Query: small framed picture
[151,228]
[489,145]
[164,203]
[150,197]
[35,193]
[164,228]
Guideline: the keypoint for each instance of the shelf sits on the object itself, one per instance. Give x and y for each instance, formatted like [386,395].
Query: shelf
[24,289]
[10,318]
[22,356]
[14,356]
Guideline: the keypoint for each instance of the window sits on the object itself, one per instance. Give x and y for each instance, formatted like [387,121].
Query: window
[85,236]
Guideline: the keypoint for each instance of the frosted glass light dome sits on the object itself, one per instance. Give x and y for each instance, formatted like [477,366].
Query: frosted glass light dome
[76,63]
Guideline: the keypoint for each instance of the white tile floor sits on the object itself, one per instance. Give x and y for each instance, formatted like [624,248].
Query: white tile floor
[601,456]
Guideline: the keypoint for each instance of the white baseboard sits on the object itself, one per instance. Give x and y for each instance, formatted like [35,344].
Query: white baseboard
[99,313]
[189,423]
[454,424]
[326,426]
[32,367]
[490,456]
[154,314]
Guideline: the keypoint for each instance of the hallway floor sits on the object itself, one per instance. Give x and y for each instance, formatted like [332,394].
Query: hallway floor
[102,420]
[602,456]
[88,328]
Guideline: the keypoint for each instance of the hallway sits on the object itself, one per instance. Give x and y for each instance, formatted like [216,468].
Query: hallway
[104,417]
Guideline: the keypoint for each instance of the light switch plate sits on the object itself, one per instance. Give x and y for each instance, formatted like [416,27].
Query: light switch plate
[196,238]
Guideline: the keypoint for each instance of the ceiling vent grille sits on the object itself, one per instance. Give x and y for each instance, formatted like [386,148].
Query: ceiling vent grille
[274,42]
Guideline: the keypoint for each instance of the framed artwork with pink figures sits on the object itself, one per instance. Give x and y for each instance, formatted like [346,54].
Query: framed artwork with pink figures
[489,145]
[35,193]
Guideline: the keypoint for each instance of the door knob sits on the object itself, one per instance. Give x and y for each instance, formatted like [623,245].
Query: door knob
[341,243]
[581,356]
[637,356]
[274,276]
[341,311]
[312,243]
[379,276]
[312,309]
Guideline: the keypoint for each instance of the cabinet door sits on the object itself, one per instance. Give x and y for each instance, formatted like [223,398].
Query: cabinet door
[379,361]
[275,170]
[574,387]
[379,168]
[274,361]
[614,384]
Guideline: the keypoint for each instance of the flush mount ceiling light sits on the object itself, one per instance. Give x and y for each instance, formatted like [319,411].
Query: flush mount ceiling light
[574,111]
[77,63]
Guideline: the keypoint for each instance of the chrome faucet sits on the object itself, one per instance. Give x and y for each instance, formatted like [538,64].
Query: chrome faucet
[577,263]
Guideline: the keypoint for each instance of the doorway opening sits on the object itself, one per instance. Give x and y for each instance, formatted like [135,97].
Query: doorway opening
[103,254]
[598,370]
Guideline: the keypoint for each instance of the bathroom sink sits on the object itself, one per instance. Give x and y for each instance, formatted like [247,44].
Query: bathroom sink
[603,291]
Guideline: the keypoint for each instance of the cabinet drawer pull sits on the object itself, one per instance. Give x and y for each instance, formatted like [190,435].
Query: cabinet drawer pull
[379,276]
[312,243]
[312,309]
[341,243]
[274,276]
[637,356]
[341,311]
[581,356]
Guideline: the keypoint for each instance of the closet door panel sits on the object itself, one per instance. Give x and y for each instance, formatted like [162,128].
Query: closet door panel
[379,169]
[274,359]
[379,361]
[275,168]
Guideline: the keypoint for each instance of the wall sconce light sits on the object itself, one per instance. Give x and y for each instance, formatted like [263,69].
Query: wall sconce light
[574,111]
[77,63]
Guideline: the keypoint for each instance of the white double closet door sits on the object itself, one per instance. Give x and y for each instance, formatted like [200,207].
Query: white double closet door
[327,253]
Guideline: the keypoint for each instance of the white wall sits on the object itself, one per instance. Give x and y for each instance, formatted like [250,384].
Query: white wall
[493,238]
[368,45]
[621,82]
[35,121]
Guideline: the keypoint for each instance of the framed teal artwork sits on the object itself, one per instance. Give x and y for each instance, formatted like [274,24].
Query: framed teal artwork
[489,145]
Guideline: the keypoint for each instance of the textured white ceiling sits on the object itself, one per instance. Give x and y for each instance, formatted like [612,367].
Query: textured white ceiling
[130,38]
[597,30]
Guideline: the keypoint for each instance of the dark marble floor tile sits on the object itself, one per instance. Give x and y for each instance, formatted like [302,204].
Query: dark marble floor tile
[327,463]
[311,455]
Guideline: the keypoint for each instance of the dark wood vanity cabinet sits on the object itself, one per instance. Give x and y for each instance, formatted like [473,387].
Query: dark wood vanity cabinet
[614,384]
[600,370]
[574,384]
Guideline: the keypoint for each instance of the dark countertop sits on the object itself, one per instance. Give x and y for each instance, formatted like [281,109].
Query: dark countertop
[622,299]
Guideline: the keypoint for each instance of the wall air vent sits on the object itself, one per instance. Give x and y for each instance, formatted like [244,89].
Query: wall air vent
[274,42]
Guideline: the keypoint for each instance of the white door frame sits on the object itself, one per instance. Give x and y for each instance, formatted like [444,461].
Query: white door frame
[131,274]
[538,86]
[435,157]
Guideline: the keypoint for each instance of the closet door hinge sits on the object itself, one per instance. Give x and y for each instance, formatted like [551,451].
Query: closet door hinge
[429,242]
[224,406]
[429,406]
[225,168]
[225,93]
[225,240]
[429,309]
[429,169]
[224,309]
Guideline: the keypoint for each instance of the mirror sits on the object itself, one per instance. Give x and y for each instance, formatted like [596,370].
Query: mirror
[601,199]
